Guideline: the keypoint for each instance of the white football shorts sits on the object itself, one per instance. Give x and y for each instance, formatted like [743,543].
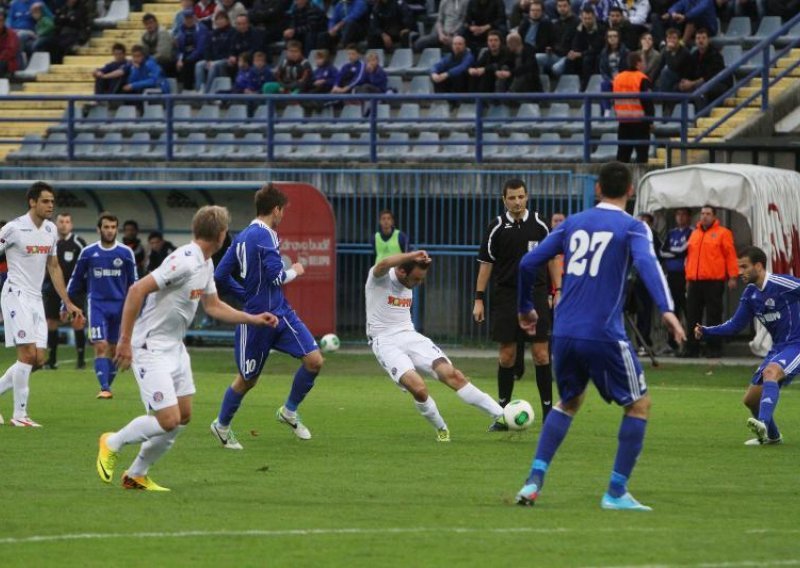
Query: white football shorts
[402,352]
[23,319]
[163,375]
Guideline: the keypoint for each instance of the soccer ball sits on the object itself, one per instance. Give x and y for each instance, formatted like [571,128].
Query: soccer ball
[329,343]
[518,414]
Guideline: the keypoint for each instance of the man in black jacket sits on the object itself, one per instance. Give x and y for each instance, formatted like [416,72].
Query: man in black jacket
[306,22]
[564,29]
[390,23]
[523,76]
[246,39]
[270,17]
[536,30]
[586,47]
[482,17]
[708,63]
[483,73]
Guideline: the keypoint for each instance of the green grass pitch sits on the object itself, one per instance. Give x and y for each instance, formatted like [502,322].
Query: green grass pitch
[373,488]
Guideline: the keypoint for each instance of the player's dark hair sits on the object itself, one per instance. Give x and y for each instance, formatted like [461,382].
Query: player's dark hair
[106,216]
[754,255]
[148,17]
[614,179]
[268,198]
[64,214]
[713,209]
[408,267]
[131,222]
[155,235]
[36,190]
[513,183]
[497,34]
[703,31]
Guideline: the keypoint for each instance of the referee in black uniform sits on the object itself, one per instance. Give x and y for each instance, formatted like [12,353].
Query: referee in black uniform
[68,249]
[507,239]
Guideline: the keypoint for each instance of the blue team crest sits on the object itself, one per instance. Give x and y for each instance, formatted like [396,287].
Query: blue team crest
[117,262]
[98,272]
[187,252]
[47,227]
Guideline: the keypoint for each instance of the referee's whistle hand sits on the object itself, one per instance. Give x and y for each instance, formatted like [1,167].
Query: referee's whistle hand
[477,312]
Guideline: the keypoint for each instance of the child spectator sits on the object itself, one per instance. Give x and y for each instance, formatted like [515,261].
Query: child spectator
[351,73]
[106,79]
[324,76]
[242,85]
[293,73]
[144,73]
[374,79]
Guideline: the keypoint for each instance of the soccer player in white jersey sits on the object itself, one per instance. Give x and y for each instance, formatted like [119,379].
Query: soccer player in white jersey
[401,351]
[151,341]
[29,243]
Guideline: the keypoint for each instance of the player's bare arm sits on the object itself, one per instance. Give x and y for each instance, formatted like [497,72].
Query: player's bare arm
[674,327]
[478,307]
[133,305]
[218,309]
[383,267]
[57,278]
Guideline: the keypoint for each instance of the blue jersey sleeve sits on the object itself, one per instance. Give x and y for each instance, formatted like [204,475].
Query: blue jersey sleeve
[223,275]
[271,262]
[646,263]
[77,282]
[792,285]
[530,265]
[743,316]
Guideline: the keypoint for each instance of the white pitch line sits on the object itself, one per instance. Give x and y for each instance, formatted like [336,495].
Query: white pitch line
[309,532]
[729,564]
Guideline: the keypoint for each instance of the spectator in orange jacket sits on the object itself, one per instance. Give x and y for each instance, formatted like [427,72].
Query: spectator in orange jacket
[710,261]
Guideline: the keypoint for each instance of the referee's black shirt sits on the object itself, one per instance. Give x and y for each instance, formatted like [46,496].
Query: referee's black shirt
[506,242]
[67,251]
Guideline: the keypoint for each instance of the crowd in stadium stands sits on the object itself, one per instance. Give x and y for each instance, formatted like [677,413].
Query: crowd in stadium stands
[486,49]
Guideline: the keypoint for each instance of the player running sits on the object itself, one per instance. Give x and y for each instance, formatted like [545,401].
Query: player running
[107,269]
[402,352]
[774,299]
[589,340]
[29,243]
[152,338]
[254,257]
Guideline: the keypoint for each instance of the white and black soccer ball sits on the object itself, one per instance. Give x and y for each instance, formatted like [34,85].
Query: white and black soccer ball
[518,414]
[329,343]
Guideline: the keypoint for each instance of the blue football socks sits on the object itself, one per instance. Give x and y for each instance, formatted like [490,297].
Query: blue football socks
[302,384]
[553,433]
[230,404]
[102,368]
[769,400]
[631,439]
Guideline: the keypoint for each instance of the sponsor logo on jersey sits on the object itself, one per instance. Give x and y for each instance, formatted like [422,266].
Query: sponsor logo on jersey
[117,262]
[38,249]
[770,317]
[400,302]
[107,272]
[196,293]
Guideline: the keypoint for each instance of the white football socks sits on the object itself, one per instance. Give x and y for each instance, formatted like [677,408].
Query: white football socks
[6,380]
[430,411]
[21,377]
[471,394]
[140,429]
[151,451]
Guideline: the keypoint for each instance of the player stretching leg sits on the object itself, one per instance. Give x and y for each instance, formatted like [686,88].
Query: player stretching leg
[589,340]
[29,242]
[107,269]
[151,341]
[254,256]
[401,351]
[774,299]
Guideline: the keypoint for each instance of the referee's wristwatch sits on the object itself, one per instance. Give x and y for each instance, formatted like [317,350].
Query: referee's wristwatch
[479,295]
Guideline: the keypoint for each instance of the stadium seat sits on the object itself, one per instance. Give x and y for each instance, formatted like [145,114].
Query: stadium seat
[465,118]
[395,83]
[157,149]
[731,54]
[575,121]
[755,62]
[235,117]
[39,63]
[426,147]
[220,84]
[492,145]
[545,80]
[308,147]
[282,146]
[548,152]
[601,125]
[182,117]
[407,119]
[153,119]
[207,119]
[55,147]
[438,117]
[31,148]
[402,61]
[738,29]
[191,147]
[517,148]
[768,26]
[427,58]
[573,152]
[117,12]
[83,146]
[351,119]
[221,146]
[110,148]
[527,116]
[595,84]
[290,119]
[253,147]
[124,120]
[316,120]
[341,59]
[672,128]
[137,147]
[791,36]
[556,117]
[568,84]
[606,152]
[359,147]
[421,85]
[337,148]
[395,148]
[497,116]
[96,116]
[4,87]
[458,146]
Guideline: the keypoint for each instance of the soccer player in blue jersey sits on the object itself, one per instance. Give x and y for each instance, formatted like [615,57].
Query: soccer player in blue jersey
[589,340]
[773,299]
[255,258]
[105,270]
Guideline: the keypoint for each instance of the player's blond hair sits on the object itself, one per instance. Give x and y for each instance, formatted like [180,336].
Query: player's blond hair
[209,222]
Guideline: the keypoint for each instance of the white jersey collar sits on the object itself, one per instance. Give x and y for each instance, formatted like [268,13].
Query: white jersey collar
[609,206]
[766,279]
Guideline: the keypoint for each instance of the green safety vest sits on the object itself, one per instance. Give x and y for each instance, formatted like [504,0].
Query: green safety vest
[387,248]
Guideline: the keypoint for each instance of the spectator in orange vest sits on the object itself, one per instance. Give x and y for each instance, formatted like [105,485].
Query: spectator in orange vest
[710,261]
[635,114]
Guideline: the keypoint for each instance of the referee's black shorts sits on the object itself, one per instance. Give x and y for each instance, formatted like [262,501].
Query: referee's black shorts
[505,324]
[52,304]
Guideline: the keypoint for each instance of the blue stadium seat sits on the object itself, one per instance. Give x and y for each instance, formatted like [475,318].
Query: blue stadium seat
[755,62]
[421,85]
[337,148]
[517,148]
[182,117]
[465,117]
[136,147]
[220,84]
[407,119]
[55,147]
[307,147]
[402,61]
[396,84]
[427,58]
[547,152]
[221,146]
[595,84]
[31,148]
[573,152]
[253,147]
[207,119]
[556,115]
[97,115]
[111,147]
[492,145]
[316,120]
[568,84]
[191,147]
[124,120]
[527,116]
[496,117]
[282,146]
[602,125]
[672,128]
[792,35]
[768,26]
[83,146]
[359,147]
[290,119]
[738,28]
[426,147]
[153,119]
[397,148]
[341,59]
[731,54]
[438,117]
[545,80]
[458,146]
[606,152]
[235,117]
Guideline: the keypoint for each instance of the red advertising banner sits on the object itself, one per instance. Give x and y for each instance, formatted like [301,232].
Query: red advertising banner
[308,236]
